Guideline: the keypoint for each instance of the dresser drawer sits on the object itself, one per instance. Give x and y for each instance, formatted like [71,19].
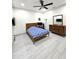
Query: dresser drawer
[58,29]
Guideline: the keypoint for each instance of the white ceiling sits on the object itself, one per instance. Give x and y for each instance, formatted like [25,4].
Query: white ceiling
[28,4]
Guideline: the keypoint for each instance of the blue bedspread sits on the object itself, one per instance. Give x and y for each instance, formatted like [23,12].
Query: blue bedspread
[36,32]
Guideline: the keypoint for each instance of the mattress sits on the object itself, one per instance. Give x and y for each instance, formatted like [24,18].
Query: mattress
[36,32]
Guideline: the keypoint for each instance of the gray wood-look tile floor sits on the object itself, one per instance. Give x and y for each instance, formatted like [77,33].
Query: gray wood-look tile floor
[52,47]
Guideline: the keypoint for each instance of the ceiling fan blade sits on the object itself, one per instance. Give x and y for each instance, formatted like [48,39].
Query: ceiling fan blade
[48,4]
[40,8]
[36,6]
[45,7]
[41,2]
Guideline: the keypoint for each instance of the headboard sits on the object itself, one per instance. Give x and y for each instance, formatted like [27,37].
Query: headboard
[28,25]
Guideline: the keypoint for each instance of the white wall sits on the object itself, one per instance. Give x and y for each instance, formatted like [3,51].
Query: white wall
[61,10]
[49,15]
[24,16]
[38,15]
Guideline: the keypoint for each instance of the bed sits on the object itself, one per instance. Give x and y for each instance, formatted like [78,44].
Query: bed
[36,33]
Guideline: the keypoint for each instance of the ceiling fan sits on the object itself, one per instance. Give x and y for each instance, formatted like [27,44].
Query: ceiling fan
[42,5]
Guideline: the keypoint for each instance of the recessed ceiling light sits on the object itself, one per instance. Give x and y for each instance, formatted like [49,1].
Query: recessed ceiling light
[22,4]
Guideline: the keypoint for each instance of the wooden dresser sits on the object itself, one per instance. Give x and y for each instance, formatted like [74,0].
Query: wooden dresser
[58,29]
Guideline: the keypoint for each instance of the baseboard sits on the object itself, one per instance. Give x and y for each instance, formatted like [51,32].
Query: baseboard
[19,34]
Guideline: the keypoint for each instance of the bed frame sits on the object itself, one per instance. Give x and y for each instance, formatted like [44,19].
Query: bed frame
[28,25]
